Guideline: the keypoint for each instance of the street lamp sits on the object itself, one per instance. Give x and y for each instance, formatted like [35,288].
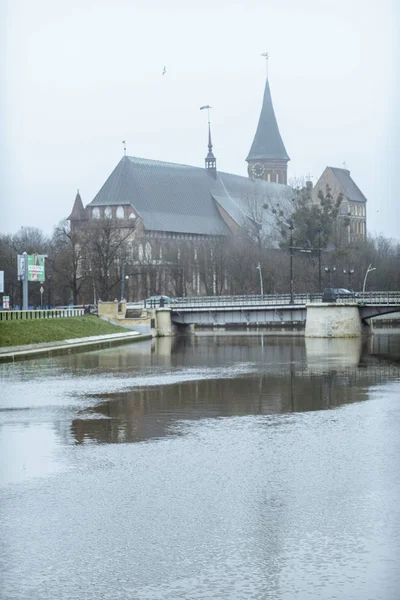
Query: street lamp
[261,280]
[350,272]
[291,227]
[370,268]
[319,260]
[329,271]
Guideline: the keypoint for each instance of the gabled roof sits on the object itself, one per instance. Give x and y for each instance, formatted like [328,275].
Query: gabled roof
[267,143]
[78,212]
[180,198]
[349,187]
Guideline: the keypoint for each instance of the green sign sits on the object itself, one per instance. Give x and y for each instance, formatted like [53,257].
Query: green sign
[36,267]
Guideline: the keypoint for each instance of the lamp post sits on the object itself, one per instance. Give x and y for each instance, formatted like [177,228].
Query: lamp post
[319,260]
[329,271]
[370,268]
[261,279]
[122,273]
[291,263]
[350,272]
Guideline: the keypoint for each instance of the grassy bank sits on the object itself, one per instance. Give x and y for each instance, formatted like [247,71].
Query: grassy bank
[18,333]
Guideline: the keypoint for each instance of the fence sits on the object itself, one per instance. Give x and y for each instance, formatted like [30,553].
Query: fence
[54,313]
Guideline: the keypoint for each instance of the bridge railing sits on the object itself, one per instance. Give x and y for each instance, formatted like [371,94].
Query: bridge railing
[299,300]
[242,300]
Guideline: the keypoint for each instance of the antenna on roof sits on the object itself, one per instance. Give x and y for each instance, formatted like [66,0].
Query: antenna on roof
[124,143]
[266,56]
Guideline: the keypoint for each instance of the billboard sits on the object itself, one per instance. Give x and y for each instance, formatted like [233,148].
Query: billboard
[36,267]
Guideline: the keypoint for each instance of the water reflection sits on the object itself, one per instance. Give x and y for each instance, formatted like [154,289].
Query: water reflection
[282,376]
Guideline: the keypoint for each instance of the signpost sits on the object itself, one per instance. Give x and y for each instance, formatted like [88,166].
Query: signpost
[41,296]
[6,302]
[30,268]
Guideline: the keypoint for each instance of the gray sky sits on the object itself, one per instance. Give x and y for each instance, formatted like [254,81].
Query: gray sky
[83,75]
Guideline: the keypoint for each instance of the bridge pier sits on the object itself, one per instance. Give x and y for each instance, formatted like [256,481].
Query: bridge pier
[164,324]
[331,320]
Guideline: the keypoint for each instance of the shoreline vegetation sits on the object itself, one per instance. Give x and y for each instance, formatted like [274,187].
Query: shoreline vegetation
[21,333]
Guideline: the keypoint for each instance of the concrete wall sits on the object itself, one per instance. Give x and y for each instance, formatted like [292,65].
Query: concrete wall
[327,320]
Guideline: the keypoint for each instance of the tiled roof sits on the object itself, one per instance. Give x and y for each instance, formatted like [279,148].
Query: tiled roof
[267,143]
[349,187]
[180,198]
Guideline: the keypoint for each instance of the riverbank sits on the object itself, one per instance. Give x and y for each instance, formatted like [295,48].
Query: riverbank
[19,333]
[28,339]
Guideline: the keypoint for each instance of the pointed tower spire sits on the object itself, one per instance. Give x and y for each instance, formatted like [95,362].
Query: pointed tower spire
[78,212]
[210,160]
[268,157]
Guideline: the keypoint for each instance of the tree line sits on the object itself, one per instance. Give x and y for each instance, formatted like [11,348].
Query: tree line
[106,260]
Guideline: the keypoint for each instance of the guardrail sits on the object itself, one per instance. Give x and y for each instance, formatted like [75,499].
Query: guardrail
[54,313]
[194,302]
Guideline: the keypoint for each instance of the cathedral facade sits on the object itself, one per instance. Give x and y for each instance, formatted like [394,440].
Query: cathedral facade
[155,204]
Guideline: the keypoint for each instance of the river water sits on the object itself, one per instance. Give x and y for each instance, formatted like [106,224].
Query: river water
[203,467]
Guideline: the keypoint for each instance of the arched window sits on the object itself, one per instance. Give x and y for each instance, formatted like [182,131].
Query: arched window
[140,251]
[108,212]
[96,213]
[147,251]
[132,215]
[120,212]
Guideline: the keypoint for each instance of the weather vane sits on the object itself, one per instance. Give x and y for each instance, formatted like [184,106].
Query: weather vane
[266,56]
[124,143]
[207,106]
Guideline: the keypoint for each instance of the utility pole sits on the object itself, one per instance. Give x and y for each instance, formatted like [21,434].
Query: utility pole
[261,279]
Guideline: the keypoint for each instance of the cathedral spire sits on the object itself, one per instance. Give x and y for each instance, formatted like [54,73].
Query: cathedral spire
[268,157]
[210,160]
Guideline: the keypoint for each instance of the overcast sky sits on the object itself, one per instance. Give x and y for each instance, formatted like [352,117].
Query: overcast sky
[81,76]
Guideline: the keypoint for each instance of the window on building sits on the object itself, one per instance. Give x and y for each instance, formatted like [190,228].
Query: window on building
[140,253]
[108,212]
[120,212]
[132,215]
[96,213]
[147,251]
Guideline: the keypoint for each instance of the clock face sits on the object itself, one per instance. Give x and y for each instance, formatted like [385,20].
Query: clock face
[258,170]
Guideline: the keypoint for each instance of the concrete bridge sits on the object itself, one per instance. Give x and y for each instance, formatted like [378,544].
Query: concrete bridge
[342,318]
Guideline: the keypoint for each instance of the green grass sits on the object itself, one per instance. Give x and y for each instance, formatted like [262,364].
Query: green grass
[18,333]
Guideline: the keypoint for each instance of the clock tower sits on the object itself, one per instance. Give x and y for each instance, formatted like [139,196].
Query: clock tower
[268,158]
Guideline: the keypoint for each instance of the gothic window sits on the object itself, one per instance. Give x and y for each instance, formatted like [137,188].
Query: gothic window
[108,212]
[140,251]
[277,177]
[96,213]
[269,177]
[147,251]
[120,212]
[132,215]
